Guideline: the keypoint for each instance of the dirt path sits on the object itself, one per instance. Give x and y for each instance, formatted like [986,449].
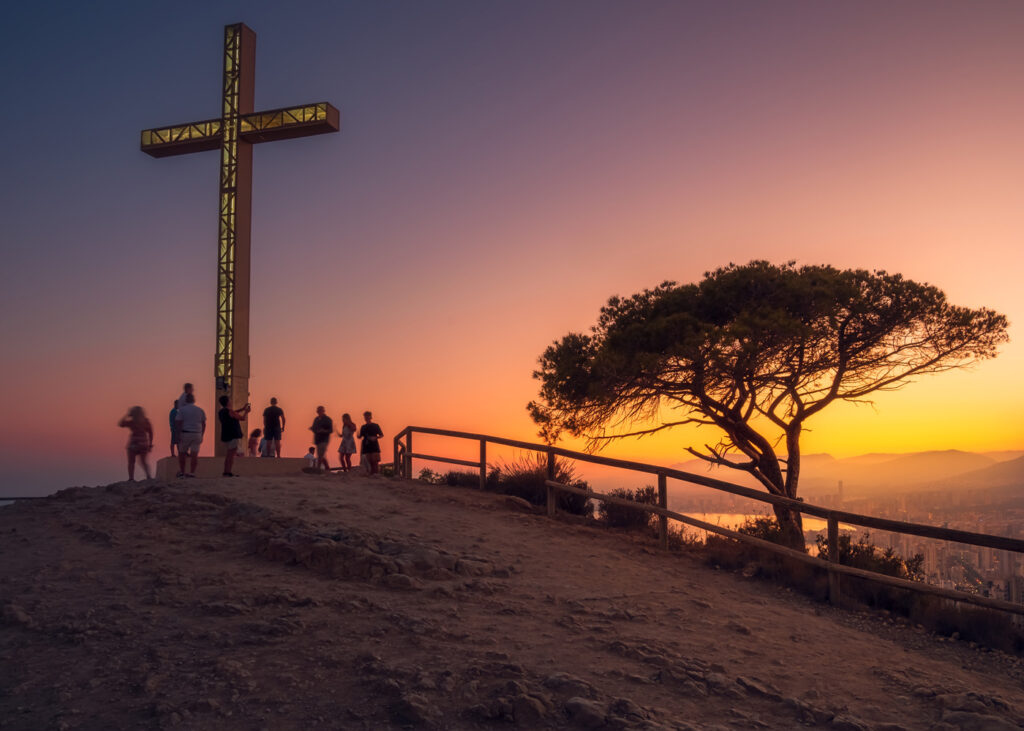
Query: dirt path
[349,602]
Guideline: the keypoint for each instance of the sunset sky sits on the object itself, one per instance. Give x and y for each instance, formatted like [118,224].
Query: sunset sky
[502,169]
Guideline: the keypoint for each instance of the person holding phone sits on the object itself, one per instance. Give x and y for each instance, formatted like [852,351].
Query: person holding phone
[231,433]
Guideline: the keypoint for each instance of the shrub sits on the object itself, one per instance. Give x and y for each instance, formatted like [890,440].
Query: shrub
[457,478]
[494,479]
[866,555]
[976,624]
[764,527]
[681,539]
[428,475]
[624,516]
[463,478]
[525,478]
[972,624]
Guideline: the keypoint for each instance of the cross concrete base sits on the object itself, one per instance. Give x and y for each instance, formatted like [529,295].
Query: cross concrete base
[167,467]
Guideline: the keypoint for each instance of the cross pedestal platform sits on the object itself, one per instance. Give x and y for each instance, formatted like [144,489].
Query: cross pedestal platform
[209,467]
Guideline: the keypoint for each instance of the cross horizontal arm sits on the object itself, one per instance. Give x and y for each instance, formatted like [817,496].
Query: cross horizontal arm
[182,138]
[283,124]
[276,124]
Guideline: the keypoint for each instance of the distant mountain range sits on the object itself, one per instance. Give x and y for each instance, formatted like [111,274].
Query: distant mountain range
[870,474]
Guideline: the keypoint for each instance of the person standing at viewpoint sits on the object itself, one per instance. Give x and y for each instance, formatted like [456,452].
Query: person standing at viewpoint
[348,442]
[140,440]
[173,417]
[190,424]
[273,427]
[322,429]
[254,443]
[231,433]
[370,433]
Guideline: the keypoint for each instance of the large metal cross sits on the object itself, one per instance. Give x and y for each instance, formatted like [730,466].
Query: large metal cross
[234,133]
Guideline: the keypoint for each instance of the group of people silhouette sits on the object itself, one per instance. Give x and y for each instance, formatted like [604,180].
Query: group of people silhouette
[187,423]
[323,428]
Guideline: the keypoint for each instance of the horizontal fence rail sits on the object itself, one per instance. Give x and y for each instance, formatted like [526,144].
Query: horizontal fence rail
[403,456]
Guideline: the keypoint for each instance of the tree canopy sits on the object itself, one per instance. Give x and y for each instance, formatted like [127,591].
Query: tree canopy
[754,350]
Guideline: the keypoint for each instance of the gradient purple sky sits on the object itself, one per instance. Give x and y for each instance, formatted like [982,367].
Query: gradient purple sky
[502,169]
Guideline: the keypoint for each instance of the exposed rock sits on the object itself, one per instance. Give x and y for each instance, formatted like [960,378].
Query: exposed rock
[627,709]
[473,567]
[423,558]
[399,581]
[977,721]
[584,712]
[222,609]
[718,682]
[15,614]
[517,503]
[738,627]
[971,702]
[414,709]
[527,710]
[569,684]
[691,688]
[759,687]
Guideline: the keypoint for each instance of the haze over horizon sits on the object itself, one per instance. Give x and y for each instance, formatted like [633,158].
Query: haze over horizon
[501,170]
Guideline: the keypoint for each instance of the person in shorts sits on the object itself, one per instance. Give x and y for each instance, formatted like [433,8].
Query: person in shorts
[140,439]
[322,429]
[370,435]
[231,433]
[190,424]
[273,427]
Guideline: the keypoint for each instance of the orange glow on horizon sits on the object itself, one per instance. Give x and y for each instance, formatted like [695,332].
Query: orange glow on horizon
[484,199]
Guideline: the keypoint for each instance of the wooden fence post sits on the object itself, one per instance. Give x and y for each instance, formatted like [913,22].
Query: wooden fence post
[663,503]
[394,457]
[483,464]
[552,497]
[408,455]
[834,589]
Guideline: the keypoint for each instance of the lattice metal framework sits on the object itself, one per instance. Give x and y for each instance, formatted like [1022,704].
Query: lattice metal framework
[234,133]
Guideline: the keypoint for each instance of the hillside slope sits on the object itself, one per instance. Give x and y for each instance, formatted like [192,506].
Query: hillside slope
[350,602]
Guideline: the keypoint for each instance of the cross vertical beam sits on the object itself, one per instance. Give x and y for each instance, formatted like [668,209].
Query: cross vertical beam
[231,358]
[237,130]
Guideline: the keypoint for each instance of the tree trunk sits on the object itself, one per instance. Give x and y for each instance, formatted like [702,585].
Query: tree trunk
[790,521]
[792,525]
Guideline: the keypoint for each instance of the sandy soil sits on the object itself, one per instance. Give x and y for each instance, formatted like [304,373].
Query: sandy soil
[350,602]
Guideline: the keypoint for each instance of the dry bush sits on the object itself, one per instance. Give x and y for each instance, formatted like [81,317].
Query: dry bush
[525,478]
[624,516]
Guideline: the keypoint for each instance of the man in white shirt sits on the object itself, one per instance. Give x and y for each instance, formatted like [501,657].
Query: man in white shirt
[191,426]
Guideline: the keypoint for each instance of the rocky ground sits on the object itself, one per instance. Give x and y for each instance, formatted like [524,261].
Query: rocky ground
[356,603]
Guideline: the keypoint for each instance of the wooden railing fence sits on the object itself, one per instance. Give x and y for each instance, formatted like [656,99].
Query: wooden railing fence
[404,455]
